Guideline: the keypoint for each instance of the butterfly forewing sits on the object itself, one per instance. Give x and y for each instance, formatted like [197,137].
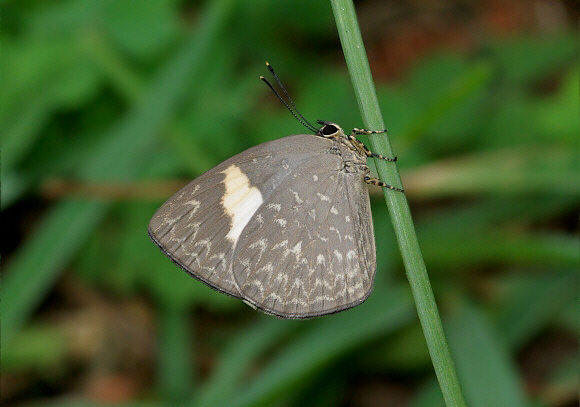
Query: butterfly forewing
[192,234]
[199,226]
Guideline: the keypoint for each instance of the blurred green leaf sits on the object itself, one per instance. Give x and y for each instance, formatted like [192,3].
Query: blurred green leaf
[529,58]
[119,157]
[488,375]
[39,347]
[141,28]
[532,303]
[244,350]
[45,255]
[322,343]
[176,373]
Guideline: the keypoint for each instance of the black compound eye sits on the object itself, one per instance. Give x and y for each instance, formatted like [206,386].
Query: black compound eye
[329,129]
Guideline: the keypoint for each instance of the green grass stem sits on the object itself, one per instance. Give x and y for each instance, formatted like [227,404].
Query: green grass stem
[416,271]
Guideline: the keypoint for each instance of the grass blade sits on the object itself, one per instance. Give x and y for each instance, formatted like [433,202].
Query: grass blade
[360,73]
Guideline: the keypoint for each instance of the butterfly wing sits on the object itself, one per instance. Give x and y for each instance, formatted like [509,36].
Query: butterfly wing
[199,227]
[309,250]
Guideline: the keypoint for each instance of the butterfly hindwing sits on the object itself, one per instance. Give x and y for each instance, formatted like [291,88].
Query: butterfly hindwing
[309,249]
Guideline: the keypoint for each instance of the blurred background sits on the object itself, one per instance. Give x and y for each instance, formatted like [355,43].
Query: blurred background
[109,106]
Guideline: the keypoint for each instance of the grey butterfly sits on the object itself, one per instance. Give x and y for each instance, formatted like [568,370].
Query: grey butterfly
[285,226]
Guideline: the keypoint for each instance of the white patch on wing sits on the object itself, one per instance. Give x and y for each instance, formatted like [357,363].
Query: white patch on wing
[240,200]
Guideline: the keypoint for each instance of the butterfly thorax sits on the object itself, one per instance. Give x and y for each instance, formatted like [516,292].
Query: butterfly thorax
[352,153]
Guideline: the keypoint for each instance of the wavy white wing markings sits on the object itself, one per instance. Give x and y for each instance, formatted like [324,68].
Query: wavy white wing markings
[298,256]
[198,228]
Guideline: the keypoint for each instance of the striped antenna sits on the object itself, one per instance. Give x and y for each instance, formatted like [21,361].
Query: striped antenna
[290,104]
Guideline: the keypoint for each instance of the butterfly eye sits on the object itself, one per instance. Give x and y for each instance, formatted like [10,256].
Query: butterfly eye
[329,130]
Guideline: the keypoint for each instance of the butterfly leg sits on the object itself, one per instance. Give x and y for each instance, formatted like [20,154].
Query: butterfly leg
[352,138]
[374,181]
[360,145]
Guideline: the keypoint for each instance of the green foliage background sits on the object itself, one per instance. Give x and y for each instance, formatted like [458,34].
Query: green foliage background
[104,102]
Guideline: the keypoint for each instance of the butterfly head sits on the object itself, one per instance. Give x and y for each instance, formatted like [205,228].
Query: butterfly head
[330,130]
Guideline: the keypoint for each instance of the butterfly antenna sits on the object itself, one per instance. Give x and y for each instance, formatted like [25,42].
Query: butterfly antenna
[290,106]
[287,94]
[302,121]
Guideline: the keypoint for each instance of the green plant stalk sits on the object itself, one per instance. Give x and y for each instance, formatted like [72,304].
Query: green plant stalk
[415,269]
